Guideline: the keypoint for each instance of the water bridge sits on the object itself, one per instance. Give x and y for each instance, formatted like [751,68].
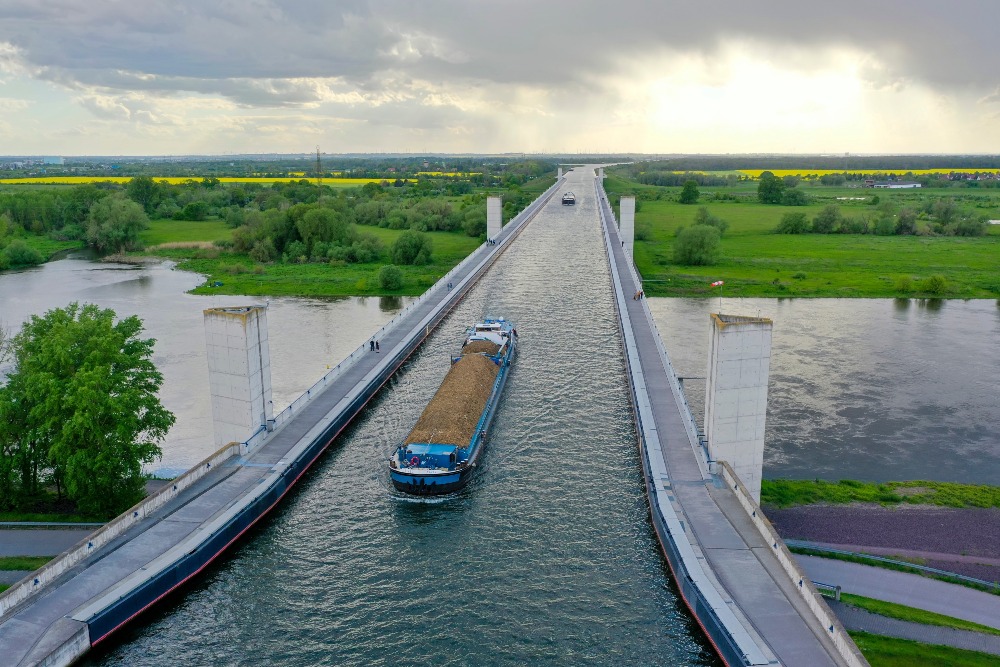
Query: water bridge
[734,573]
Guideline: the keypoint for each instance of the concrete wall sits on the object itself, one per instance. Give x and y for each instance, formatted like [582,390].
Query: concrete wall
[626,209]
[846,647]
[494,216]
[239,371]
[739,361]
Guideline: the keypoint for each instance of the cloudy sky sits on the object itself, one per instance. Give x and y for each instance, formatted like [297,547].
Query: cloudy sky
[226,76]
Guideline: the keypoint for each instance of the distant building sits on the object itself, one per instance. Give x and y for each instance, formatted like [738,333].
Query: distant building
[895,185]
[53,160]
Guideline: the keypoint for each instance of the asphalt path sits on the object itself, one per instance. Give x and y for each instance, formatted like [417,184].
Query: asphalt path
[907,589]
[40,542]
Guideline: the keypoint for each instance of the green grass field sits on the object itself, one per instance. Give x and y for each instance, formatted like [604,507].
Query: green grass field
[9,563]
[240,275]
[904,613]
[185,231]
[888,652]
[789,492]
[756,262]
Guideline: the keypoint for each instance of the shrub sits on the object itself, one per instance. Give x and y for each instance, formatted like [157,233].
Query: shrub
[703,217]
[904,284]
[936,284]
[827,220]
[885,226]
[794,197]
[263,251]
[793,223]
[390,277]
[411,248]
[18,253]
[696,246]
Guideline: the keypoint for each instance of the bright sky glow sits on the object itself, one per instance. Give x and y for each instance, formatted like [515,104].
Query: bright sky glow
[105,77]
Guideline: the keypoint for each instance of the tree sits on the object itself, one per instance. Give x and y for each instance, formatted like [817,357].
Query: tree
[144,191]
[114,224]
[770,188]
[411,248]
[690,193]
[793,223]
[906,221]
[324,224]
[703,217]
[81,406]
[696,246]
[18,253]
[794,197]
[827,220]
[390,277]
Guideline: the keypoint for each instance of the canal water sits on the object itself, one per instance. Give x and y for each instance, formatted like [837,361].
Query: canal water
[546,557]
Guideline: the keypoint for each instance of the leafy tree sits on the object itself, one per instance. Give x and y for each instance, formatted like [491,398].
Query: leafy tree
[690,193]
[827,220]
[144,191]
[390,277]
[195,210]
[263,251]
[327,225]
[906,221]
[793,223]
[885,226]
[82,403]
[697,245]
[794,197]
[114,224]
[945,211]
[770,189]
[703,217]
[411,248]
[18,254]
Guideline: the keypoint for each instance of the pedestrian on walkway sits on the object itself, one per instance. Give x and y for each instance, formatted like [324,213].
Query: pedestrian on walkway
[372,344]
[376,346]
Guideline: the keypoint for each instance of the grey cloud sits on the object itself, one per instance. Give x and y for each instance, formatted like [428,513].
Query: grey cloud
[222,47]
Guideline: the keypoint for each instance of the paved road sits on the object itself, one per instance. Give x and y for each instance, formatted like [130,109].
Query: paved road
[39,542]
[854,618]
[911,590]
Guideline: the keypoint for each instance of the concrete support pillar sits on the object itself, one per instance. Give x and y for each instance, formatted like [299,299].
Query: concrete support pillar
[494,216]
[559,173]
[600,173]
[739,360]
[626,226]
[239,371]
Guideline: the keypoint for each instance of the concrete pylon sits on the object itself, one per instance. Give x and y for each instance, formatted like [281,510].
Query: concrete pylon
[239,371]
[739,360]
[559,174]
[626,227]
[494,216]
[600,173]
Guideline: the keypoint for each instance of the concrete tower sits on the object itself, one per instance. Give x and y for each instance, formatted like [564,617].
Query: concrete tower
[559,174]
[739,360]
[626,209]
[494,216]
[239,371]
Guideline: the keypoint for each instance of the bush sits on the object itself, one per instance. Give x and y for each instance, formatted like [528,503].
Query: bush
[411,248]
[793,223]
[794,197]
[263,251]
[18,253]
[885,226]
[827,220]
[904,284]
[703,217]
[936,284]
[390,277]
[696,246]
[296,251]
[690,193]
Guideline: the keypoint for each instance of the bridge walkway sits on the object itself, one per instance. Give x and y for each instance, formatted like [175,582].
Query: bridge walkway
[745,571]
[55,616]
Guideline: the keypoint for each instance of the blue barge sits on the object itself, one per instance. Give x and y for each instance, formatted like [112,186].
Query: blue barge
[440,453]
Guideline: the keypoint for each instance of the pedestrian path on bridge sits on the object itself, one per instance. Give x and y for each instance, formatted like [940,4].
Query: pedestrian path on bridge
[729,551]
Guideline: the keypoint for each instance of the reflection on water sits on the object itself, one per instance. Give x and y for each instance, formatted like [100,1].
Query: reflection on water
[864,388]
[307,336]
[546,557]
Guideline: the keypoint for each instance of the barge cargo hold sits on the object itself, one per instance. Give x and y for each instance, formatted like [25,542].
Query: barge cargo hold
[440,453]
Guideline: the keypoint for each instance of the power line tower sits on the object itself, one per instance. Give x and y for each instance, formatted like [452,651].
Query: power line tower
[319,169]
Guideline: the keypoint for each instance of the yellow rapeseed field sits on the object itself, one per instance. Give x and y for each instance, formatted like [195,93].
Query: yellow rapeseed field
[755,173]
[174,180]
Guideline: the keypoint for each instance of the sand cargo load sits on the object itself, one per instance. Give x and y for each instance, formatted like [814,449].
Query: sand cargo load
[440,453]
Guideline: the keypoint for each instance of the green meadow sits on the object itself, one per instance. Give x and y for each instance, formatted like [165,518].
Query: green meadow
[756,262]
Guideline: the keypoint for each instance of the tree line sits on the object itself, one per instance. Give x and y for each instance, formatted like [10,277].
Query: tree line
[937,217]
